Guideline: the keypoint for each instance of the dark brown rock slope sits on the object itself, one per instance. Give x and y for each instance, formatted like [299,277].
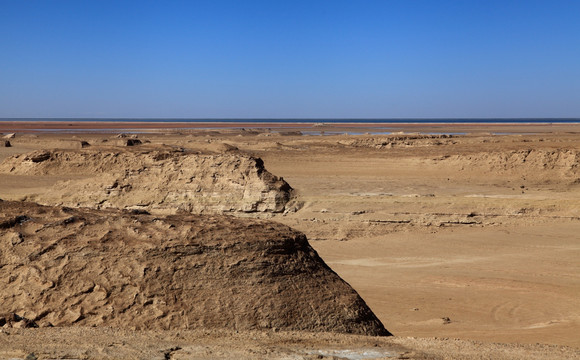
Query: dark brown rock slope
[85,267]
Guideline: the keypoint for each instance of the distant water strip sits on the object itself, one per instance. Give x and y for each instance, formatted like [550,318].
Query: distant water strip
[313,121]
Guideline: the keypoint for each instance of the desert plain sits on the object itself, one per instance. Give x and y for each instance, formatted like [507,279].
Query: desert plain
[463,240]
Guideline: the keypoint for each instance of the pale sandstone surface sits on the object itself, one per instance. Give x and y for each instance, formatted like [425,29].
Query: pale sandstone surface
[471,237]
[154,178]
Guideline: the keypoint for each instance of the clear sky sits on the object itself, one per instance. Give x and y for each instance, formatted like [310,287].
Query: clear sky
[290,59]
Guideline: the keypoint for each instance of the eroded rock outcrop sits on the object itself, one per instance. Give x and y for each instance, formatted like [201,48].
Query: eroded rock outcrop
[543,166]
[390,141]
[164,180]
[67,267]
[12,320]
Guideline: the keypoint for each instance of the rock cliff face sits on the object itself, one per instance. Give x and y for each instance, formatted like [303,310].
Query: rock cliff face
[86,267]
[163,180]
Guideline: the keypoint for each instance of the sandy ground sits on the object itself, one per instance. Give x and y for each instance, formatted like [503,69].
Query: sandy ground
[455,243]
[107,343]
[507,273]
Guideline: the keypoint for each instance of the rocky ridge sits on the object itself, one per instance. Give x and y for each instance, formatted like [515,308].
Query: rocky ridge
[83,267]
[390,141]
[539,164]
[154,179]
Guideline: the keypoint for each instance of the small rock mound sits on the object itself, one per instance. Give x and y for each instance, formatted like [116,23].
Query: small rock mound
[130,142]
[112,268]
[225,147]
[38,156]
[164,180]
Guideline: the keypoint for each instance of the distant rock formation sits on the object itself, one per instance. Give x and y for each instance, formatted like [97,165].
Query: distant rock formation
[400,140]
[130,142]
[535,165]
[164,180]
[67,267]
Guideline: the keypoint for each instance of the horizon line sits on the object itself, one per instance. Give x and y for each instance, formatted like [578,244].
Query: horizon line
[288,118]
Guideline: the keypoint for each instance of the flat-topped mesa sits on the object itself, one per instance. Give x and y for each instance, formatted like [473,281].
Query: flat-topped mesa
[162,180]
[85,267]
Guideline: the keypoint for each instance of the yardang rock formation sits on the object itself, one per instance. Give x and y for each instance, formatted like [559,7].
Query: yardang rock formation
[154,179]
[67,267]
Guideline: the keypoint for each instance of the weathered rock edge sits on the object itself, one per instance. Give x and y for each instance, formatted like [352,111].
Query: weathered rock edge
[154,179]
[67,267]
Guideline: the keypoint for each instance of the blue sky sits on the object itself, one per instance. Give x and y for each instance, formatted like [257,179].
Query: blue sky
[289,59]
